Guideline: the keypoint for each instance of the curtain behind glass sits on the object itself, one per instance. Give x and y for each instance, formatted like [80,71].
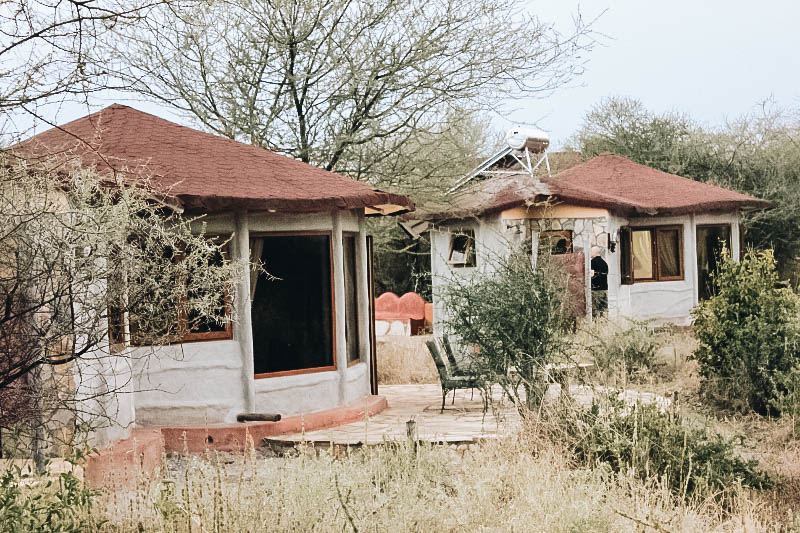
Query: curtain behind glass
[256,249]
[669,253]
[642,254]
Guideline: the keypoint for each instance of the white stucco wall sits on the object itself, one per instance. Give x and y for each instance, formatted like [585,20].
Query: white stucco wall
[670,301]
[202,382]
[195,383]
[490,243]
[104,389]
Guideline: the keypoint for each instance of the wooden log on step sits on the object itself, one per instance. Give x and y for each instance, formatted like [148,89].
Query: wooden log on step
[258,417]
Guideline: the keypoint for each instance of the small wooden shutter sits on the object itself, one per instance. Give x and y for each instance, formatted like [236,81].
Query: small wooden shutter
[625,256]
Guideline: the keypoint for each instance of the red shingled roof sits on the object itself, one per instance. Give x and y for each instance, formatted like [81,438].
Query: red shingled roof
[200,170]
[608,181]
[620,184]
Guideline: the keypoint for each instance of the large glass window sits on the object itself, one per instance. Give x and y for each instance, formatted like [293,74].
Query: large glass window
[351,298]
[292,307]
[651,254]
[198,328]
[186,325]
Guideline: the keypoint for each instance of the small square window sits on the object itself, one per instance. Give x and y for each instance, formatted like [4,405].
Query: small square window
[462,249]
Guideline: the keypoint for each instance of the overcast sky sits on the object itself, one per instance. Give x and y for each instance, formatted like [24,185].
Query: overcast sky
[714,59]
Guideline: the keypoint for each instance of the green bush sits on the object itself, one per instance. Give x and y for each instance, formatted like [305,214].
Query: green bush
[748,334]
[627,346]
[643,441]
[44,503]
[513,319]
[788,400]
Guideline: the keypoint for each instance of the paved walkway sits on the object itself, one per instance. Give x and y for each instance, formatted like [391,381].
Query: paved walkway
[460,423]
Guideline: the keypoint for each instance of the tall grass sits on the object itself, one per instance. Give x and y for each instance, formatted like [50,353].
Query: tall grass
[405,360]
[495,486]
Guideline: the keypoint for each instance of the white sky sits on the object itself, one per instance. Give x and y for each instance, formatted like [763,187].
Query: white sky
[711,58]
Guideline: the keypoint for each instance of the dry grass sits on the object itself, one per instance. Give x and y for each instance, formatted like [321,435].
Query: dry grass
[521,483]
[498,486]
[405,360]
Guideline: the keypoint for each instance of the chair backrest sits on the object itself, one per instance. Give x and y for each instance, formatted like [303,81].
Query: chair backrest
[451,357]
[441,366]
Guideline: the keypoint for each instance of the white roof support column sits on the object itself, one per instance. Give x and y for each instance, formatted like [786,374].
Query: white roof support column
[736,251]
[362,281]
[690,263]
[340,338]
[243,327]
[587,274]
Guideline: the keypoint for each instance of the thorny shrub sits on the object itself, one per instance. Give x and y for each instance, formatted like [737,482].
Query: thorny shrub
[625,346]
[511,320]
[650,442]
[46,503]
[749,334]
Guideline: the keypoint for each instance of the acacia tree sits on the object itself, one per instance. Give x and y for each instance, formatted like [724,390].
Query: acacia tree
[88,267]
[49,51]
[381,90]
[323,81]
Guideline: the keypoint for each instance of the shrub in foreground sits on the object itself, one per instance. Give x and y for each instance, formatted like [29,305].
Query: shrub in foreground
[45,503]
[513,318]
[749,334]
[641,440]
[625,346]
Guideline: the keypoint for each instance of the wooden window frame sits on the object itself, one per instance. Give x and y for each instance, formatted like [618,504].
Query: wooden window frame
[314,370]
[354,235]
[185,337]
[117,321]
[626,257]
[470,252]
[202,336]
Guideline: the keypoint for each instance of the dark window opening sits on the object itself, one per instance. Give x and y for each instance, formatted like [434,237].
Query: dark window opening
[292,312]
[712,243]
[187,325]
[116,328]
[216,326]
[116,310]
[462,249]
[351,298]
[556,242]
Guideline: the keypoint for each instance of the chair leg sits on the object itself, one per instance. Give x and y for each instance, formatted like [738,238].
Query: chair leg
[454,397]
[472,393]
[444,395]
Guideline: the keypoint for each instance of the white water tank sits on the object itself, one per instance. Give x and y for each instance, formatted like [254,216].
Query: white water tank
[534,140]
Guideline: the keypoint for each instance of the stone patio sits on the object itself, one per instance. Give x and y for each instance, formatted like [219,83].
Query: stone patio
[460,423]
